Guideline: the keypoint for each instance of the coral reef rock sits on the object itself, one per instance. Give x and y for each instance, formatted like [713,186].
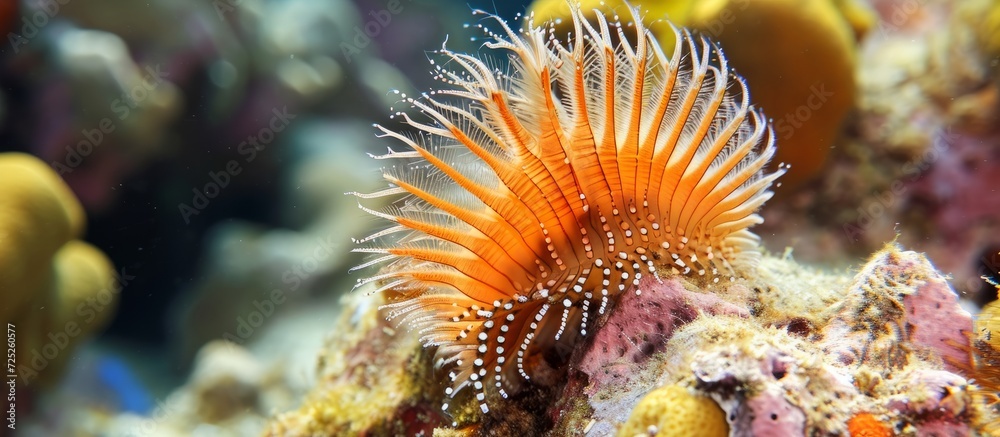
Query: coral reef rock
[788,351]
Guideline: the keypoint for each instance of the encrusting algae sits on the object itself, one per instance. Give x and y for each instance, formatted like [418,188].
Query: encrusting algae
[534,198]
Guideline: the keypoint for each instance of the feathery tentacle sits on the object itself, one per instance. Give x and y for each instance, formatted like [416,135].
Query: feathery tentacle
[530,201]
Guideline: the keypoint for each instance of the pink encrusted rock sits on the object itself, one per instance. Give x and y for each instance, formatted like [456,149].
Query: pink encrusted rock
[640,325]
[899,302]
[936,320]
[767,381]
[771,414]
[614,371]
[768,412]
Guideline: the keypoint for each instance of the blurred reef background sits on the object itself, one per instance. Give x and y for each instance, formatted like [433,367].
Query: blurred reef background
[175,239]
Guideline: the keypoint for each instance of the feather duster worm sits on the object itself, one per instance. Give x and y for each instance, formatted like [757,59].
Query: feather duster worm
[531,199]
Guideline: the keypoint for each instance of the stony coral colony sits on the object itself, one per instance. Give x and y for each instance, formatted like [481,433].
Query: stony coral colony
[530,198]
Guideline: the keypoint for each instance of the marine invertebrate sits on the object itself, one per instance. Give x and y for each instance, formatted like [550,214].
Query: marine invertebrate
[673,411]
[532,199]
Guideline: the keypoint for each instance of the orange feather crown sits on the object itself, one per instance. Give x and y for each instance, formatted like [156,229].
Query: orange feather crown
[528,201]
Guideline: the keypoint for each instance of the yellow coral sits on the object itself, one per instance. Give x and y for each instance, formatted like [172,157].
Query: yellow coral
[45,272]
[798,57]
[672,411]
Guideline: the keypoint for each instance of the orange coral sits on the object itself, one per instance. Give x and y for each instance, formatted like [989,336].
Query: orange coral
[866,425]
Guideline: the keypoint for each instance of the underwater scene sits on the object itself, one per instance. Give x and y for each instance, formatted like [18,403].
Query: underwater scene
[671,218]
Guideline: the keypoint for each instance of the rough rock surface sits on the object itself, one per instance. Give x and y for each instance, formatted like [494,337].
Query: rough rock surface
[881,344]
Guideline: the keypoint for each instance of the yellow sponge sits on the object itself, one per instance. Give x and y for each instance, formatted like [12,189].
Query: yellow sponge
[83,272]
[797,56]
[672,411]
[54,288]
[38,214]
